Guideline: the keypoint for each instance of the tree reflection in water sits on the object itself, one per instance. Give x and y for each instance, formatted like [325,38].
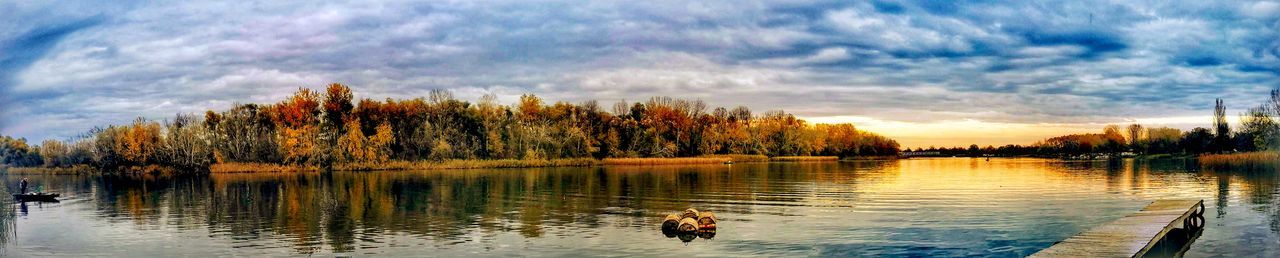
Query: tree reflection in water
[8,218]
[342,212]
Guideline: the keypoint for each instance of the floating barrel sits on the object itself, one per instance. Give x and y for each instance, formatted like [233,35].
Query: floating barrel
[687,237]
[707,233]
[706,220]
[670,223]
[691,213]
[687,225]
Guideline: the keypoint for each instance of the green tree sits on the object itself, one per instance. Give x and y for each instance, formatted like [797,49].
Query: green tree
[1198,140]
[1258,131]
[1222,130]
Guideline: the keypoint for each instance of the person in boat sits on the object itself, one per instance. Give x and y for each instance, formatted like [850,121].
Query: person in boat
[23,187]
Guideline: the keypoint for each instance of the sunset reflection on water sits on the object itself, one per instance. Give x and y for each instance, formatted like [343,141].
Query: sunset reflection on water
[943,206]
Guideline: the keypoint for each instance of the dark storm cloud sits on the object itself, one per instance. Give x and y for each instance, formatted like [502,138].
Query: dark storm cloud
[67,66]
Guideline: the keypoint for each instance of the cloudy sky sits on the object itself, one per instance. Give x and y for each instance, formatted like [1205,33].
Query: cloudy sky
[926,73]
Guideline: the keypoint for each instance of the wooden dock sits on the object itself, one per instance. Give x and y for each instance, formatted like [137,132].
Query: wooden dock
[1133,235]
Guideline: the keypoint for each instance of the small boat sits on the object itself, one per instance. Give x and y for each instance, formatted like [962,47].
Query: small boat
[36,197]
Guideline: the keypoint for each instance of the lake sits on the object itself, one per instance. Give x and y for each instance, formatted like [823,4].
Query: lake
[914,207]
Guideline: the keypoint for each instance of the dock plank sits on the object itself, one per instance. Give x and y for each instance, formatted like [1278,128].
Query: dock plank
[1130,236]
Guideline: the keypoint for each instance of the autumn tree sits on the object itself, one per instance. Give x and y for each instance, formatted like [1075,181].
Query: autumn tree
[337,105]
[352,142]
[245,133]
[1162,140]
[186,144]
[1135,135]
[782,134]
[128,145]
[16,152]
[308,128]
[54,153]
[355,146]
[530,108]
[379,144]
[140,141]
[297,119]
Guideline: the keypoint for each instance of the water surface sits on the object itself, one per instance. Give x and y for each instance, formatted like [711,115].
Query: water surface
[931,207]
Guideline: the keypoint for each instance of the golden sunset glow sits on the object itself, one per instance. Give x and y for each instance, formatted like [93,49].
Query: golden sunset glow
[951,133]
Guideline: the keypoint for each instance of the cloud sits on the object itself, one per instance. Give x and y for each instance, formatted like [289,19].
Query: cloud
[18,53]
[69,66]
[1261,9]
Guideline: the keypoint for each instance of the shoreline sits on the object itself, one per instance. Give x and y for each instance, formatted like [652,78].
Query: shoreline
[1243,160]
[72,170]
[241,167]
[803,158]
[82,169]
[1256,160]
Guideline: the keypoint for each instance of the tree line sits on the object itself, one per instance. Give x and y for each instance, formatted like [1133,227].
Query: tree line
[324,128]
[1258,131]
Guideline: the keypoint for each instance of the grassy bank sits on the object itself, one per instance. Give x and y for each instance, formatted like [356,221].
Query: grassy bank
[403,165]
[86,169]
[239,167]
[664,161]
[465,164]
[73,170]
[1163,156]
[1244,160]
[803,158]
[871,158]
[506,163]
[741,158]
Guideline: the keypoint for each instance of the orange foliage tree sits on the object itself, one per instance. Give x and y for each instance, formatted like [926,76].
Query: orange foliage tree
[319,128]
[297,119]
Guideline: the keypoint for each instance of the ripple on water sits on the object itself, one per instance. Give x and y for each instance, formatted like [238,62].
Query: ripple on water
[916,207]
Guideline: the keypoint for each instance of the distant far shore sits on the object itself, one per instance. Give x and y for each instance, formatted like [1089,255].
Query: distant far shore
[1069,157]
[1250,161]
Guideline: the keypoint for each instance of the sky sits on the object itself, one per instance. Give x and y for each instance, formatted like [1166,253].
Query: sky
[944,73]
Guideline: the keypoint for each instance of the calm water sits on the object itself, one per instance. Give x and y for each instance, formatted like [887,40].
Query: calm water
[932,207]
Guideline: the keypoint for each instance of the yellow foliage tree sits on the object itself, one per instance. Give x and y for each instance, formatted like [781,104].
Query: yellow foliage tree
[379,144]
[54,152]
[297,144]
[297,117]
[138,142]
[358,148]
[352,143]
